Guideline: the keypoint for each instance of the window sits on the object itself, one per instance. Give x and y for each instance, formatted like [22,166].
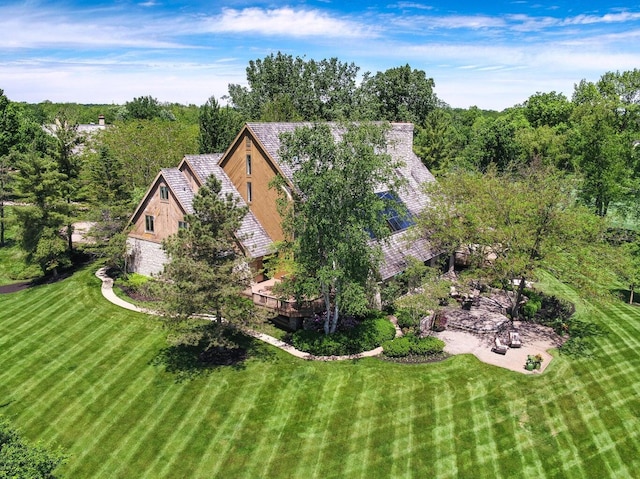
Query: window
[249,192]
[183,224]
[248,164]
[149,223]
[397,220]
[164,193]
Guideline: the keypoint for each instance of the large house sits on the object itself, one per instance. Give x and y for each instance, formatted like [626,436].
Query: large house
[245,170]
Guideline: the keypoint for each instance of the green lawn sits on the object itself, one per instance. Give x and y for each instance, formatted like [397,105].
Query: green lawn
[81,373]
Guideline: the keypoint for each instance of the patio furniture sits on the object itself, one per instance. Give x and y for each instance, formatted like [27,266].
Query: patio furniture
[499,348]
[514,340]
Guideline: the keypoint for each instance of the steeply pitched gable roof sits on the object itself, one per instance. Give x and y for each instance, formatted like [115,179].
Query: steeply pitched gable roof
[252,236]
[203,165]
[180,187]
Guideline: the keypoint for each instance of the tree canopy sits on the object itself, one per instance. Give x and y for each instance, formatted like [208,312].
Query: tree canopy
[206,272]
[335,212]
[510,224]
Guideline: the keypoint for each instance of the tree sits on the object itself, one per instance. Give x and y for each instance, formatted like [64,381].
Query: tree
[111,202]
[606,123]
[42,186]
[18,459]
[398,94]
[602,158]
[146,108]
[9,138]
[65,151]
[218,127]
[205,273]
[335,211]
[548,109]
[511,224]
[436,140]
[143,147]
[298,88]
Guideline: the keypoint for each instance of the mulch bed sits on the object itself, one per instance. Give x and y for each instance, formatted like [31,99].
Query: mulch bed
[15,287]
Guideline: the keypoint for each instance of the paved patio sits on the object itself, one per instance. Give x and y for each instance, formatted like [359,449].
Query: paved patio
[536,339]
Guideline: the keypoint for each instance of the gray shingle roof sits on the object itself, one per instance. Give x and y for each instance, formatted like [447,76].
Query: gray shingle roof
[180,187]
[203,165]
[254,239]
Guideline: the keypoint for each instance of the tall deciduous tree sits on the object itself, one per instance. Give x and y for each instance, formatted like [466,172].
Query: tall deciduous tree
[511,224]
[143,147]
[398,94]
[335,211]
[206,273]
[299,88]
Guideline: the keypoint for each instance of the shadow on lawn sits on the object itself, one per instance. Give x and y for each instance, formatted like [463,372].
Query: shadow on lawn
[187,362]
[625,294]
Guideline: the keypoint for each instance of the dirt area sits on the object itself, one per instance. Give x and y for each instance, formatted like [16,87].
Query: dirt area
[536,339]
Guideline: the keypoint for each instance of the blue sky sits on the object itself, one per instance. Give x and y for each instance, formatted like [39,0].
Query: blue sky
[492,55]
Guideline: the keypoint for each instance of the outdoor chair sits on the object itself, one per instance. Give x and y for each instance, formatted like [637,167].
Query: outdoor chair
[499,348]
[514,340]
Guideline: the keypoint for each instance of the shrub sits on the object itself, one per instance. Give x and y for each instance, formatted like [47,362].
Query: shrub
[406,320]
[412,345]
[397,348]
[427,346]
[370,333]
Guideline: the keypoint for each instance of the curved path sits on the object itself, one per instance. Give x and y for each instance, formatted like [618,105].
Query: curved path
[107,292]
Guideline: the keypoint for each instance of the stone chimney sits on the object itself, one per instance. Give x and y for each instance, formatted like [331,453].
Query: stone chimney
[101,120]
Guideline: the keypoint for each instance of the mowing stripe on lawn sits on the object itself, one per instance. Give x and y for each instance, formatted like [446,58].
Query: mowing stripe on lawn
[36,332]
[356,458]
[34,361]
[315,442]
[445,464]
[403,439]
[57,394]
[276,423]
[76,353]
[138,435]
[189,421]
[236,409]
[90,440]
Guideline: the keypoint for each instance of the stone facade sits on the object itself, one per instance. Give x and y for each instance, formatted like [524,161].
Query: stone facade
[145,257]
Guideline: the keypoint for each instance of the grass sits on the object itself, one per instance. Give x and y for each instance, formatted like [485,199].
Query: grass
[100,382]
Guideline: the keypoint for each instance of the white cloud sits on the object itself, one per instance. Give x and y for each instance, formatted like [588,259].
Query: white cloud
[287,22]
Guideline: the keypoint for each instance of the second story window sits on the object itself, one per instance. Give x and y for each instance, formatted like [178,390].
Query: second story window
[183,224]
[164,193]
[248,164]
[249,192]
[149,225]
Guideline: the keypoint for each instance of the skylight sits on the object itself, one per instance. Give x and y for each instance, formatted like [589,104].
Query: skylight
[398,217]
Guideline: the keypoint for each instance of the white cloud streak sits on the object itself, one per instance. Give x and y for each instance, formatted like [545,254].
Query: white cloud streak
[288,22]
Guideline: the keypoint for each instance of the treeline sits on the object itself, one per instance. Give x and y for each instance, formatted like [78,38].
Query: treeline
[66,174]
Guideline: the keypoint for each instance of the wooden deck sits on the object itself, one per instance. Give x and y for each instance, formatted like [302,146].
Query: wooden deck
[262,295]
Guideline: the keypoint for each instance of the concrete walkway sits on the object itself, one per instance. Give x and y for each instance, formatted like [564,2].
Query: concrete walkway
[109,295]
